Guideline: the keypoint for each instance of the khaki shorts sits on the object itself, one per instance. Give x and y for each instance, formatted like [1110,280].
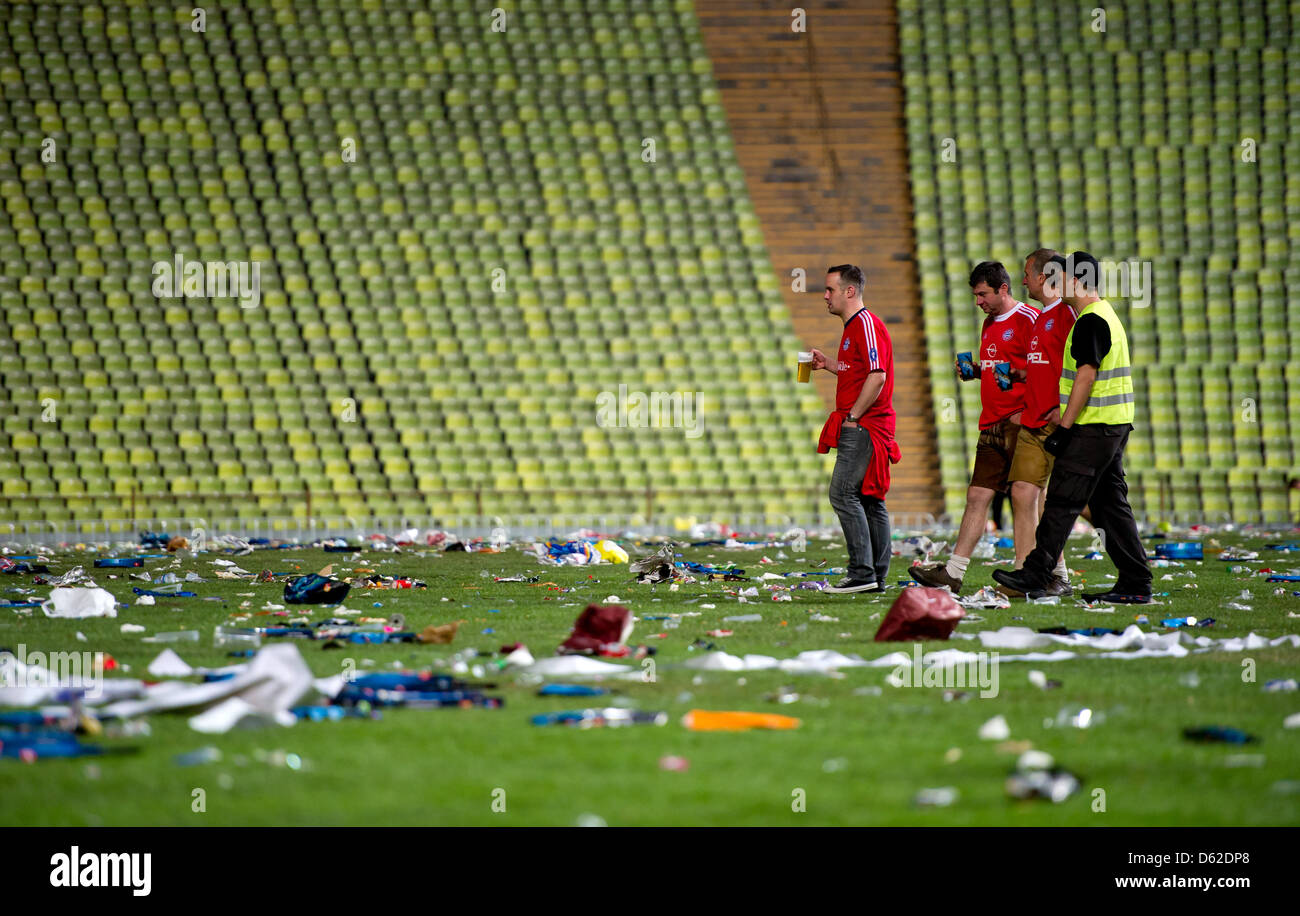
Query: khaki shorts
[1032,463]
[993,454]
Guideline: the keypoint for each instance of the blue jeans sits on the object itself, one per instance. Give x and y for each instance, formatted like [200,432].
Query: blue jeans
[865,519]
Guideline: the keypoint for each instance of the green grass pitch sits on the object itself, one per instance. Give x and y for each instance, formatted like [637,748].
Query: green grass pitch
[858,759]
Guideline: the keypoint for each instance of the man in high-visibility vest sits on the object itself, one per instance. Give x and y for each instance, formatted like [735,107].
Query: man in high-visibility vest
[1097,410]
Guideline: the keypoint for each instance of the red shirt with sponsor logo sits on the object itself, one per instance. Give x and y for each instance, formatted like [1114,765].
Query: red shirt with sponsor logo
[866,348]
[1043,363]
[1004,339]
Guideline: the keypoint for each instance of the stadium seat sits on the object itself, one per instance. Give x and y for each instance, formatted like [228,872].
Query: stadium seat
[386,352]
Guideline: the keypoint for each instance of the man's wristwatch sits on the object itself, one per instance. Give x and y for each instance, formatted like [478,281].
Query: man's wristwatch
[854,419]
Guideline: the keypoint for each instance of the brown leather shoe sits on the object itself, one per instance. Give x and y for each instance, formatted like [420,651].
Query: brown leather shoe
[935,576]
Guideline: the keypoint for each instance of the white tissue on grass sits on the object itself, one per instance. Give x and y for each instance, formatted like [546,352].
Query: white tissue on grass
[80,602]
[995,729]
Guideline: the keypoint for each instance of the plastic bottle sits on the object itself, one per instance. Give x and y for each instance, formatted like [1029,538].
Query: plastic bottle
[179,636]
[743,618]
[235,638]
[1182,550]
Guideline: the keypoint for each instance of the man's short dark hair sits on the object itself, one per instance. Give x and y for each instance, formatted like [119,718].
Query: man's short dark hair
[1084,268]
[992,273]
[850,275]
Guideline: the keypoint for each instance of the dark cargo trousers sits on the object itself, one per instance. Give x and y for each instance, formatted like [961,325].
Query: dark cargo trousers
[1091,473]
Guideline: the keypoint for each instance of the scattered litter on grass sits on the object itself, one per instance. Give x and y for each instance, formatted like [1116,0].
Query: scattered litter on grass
[1075,717]
[1054,785]
[986,598]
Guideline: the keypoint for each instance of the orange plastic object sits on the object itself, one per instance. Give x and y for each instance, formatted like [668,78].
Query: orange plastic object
[707,720]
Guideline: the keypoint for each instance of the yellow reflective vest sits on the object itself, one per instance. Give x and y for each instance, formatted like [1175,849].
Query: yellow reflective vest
[1111,400]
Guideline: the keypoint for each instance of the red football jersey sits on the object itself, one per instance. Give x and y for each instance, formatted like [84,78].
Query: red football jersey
[865,348]
[1004,339]
[1046,348]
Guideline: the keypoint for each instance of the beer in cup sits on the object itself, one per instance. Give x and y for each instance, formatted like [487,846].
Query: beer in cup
[805,366]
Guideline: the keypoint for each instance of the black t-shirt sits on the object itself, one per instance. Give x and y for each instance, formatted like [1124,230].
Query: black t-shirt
[1091,341]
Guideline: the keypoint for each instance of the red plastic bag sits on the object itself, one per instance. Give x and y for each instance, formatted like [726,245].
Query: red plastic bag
[918,614]
[600,629]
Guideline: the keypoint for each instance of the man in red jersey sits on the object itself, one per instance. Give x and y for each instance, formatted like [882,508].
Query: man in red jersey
[861,430]
[1004,339]
[1031,466]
